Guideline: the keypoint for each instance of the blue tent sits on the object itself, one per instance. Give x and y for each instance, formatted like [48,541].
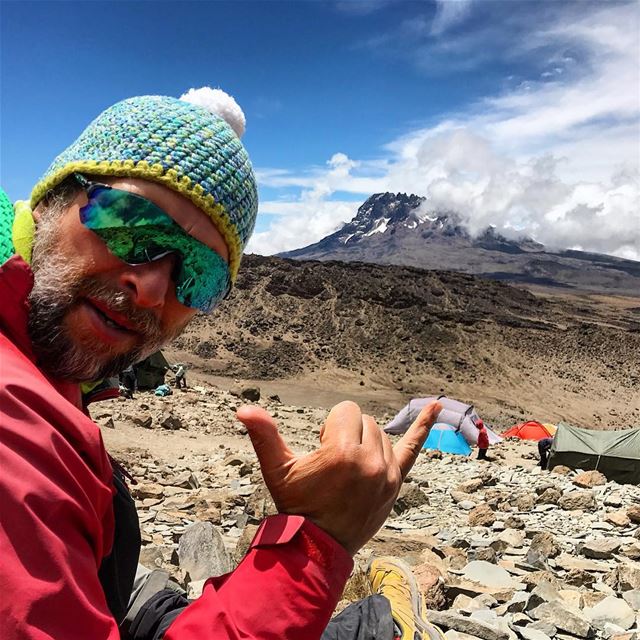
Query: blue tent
[445,438]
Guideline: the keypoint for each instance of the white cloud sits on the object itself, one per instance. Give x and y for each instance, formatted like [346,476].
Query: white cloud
[558,160]
[449,13]
[295,222]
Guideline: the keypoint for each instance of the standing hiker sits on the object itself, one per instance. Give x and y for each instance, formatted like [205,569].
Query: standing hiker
[181,380]
[483,440]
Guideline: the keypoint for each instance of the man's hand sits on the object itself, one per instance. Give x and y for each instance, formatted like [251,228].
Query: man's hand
[348,485]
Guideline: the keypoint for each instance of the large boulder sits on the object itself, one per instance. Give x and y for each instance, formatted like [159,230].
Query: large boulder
[202,553]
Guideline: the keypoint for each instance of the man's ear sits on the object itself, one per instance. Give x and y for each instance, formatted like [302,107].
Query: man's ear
[37,213]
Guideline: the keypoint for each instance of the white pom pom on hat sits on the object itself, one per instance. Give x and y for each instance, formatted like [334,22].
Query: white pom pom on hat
[219,103]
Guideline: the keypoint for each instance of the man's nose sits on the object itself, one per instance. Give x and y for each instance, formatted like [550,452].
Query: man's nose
[150,282]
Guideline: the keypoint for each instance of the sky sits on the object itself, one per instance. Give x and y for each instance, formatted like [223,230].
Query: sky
[521,115]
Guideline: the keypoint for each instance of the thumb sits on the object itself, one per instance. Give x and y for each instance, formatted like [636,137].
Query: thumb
[408,447]
[271,449]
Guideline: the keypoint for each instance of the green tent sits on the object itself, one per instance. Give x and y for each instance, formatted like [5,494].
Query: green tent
[150,372]
[616,454]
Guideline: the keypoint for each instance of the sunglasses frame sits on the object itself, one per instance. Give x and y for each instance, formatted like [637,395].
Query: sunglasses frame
[90,187]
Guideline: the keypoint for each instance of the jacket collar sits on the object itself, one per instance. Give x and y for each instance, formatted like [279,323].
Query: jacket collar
[16,282]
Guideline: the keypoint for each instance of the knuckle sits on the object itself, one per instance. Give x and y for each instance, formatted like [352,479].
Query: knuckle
[375,470]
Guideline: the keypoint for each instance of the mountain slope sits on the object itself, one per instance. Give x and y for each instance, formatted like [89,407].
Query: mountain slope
[394,229]
[336,326]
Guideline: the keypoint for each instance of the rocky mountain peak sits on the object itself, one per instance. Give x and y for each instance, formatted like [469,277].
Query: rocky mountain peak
[396,228]
[384,213]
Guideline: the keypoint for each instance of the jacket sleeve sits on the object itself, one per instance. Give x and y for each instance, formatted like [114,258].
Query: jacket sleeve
[287,586]
[56,518]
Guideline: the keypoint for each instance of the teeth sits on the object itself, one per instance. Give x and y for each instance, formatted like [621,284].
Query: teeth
[109,321]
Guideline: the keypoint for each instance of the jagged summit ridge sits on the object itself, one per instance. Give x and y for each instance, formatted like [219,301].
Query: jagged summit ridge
[401,229]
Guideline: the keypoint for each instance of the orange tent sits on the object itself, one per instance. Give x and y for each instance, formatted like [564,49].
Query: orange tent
[531,430]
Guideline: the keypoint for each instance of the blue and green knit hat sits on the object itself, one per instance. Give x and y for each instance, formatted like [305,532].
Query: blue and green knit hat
[179,143]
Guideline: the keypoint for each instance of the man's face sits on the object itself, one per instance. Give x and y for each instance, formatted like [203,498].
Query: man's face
[93,315]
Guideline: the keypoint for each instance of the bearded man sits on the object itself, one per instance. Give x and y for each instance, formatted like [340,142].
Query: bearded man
[136,227]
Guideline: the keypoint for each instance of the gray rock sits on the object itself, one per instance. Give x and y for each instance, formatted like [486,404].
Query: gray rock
[600,548]
[633,599]
[612,610]
[489,575]
[172,423]
[564,618]
[546,627]
[529,633]
[202,552]
[456,635]
[543,593]
[186,480]
[250,394]
[457,622]
[518,603]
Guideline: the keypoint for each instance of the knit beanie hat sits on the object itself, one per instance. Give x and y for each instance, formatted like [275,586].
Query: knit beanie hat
[190,145]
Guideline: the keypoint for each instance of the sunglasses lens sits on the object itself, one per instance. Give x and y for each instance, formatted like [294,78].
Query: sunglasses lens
[136,231]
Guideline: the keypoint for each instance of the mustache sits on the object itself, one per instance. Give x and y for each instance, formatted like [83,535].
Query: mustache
[144,321]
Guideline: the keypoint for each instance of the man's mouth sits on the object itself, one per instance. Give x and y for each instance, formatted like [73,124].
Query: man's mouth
[112,318]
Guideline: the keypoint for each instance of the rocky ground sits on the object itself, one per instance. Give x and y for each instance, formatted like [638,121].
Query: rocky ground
[502,550]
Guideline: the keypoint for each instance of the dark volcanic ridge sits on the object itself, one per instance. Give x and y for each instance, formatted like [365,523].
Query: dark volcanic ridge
[420,331]
[397,229]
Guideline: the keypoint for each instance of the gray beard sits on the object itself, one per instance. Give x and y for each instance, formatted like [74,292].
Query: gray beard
[57,289]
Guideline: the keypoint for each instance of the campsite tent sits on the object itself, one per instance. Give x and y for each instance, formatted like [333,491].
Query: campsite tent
[445,438]
[616,454]
[150,372]
[531,430]
[457,414]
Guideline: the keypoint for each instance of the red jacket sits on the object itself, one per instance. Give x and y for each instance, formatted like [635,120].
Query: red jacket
[483,438]
[57,522]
